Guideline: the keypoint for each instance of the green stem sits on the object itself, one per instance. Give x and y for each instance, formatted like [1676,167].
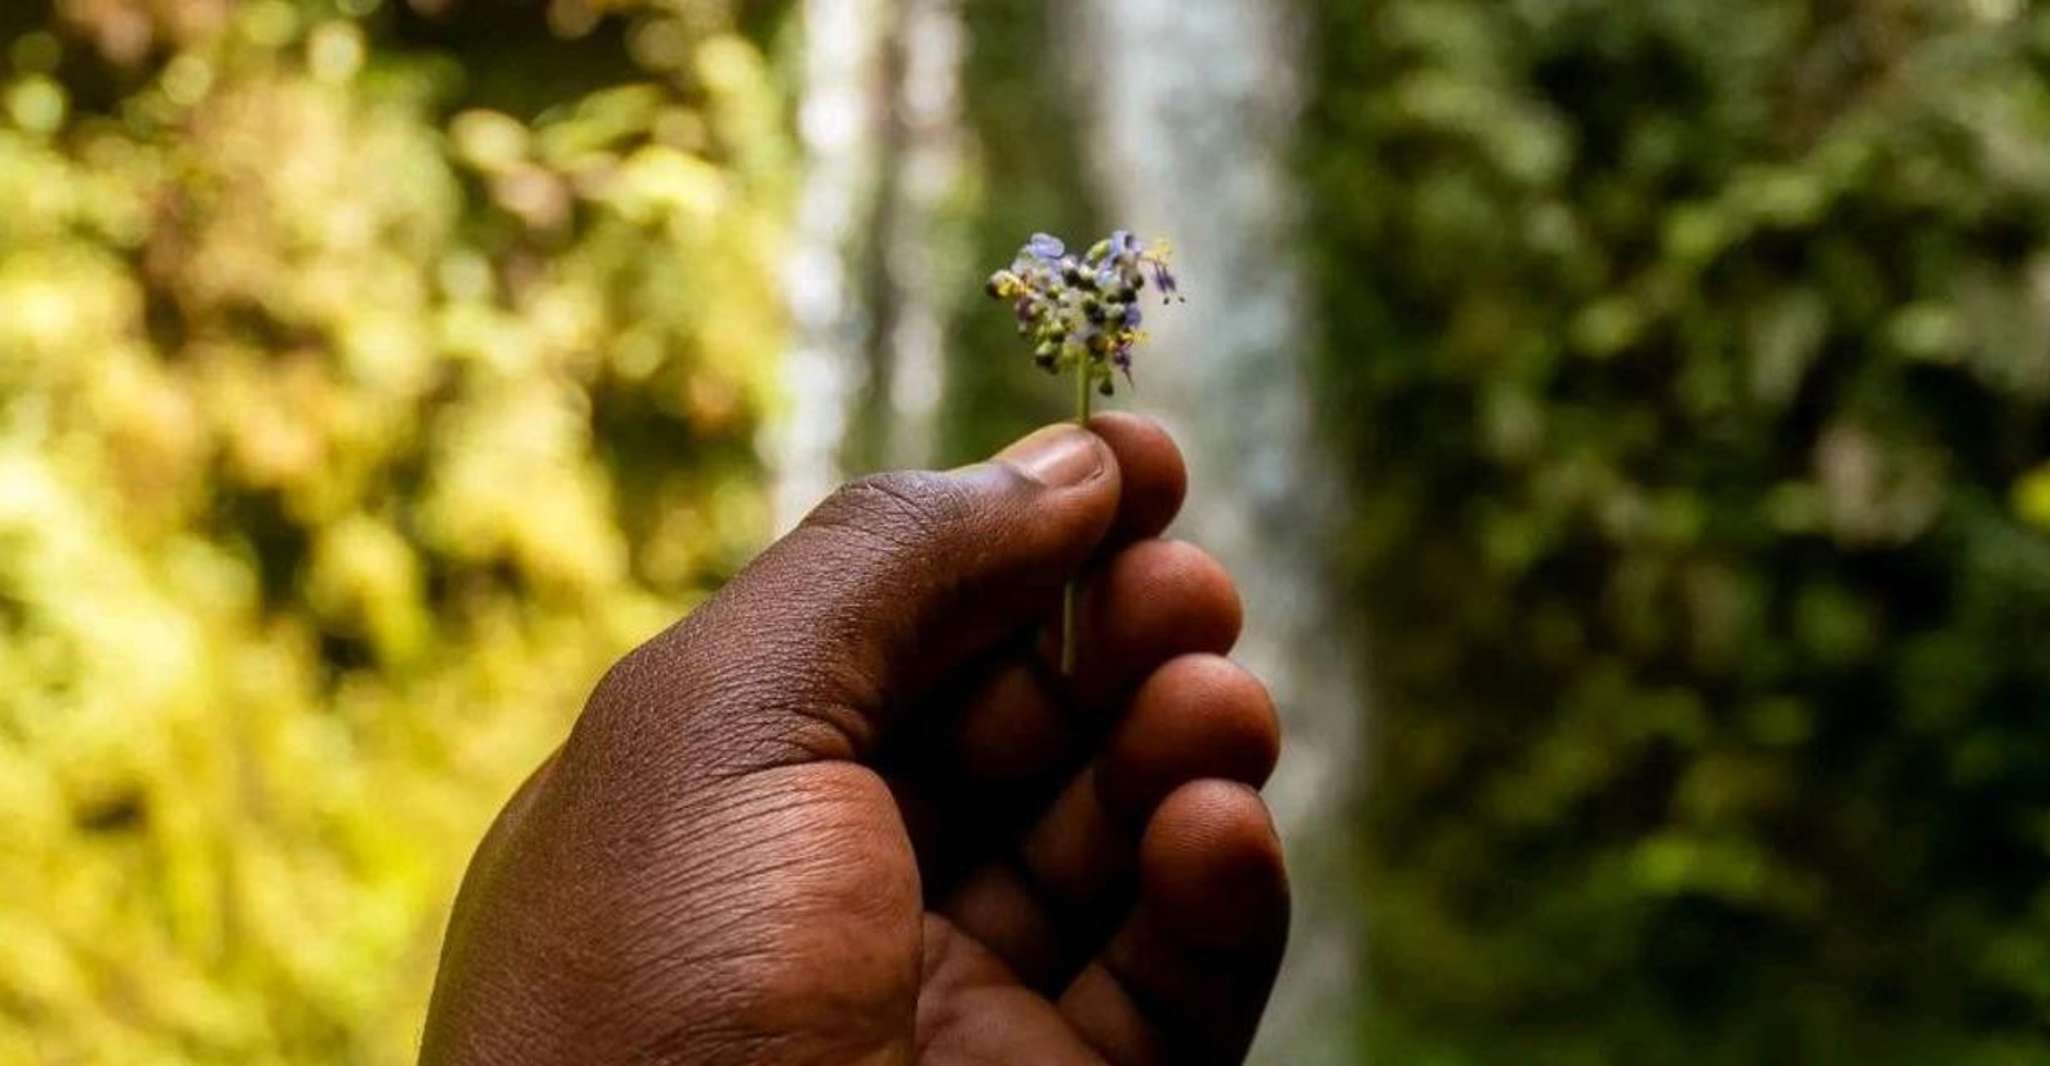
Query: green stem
[1071,593]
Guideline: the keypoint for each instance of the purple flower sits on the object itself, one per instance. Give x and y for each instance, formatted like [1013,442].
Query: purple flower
[1080,312]
[1046,248]
[1164,278]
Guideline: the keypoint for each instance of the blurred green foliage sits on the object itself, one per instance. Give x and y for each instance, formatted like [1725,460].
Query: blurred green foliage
[369,378]
[357,405]
[1692,360]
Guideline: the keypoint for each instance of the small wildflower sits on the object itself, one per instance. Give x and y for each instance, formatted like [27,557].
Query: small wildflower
[1081,316]
[1081,313]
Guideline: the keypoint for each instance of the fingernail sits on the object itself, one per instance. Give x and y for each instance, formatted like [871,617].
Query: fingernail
[1057,456]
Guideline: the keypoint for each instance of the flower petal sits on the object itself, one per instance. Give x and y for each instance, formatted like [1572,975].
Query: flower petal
[1046,247]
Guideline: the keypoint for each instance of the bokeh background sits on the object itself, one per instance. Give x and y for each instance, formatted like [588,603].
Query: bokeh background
[1630,422]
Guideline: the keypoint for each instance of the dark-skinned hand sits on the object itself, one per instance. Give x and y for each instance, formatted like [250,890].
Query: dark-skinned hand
[850,811]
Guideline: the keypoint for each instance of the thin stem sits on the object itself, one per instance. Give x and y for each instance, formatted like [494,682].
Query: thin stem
[1072,592]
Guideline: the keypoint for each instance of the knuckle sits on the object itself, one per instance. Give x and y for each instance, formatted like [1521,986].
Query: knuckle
[905,510]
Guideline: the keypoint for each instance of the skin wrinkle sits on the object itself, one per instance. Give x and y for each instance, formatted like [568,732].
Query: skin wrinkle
[713,870]
[792,681]
[739,1006]
[780,946]
[829,707]
[718,893]
[555,896]
[739,742]
[720,879]
[714,878]
[908,513]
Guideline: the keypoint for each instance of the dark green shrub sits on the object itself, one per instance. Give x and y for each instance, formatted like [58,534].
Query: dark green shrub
[1691,359]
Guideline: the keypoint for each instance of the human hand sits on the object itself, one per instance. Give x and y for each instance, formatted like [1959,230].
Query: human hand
[849,811]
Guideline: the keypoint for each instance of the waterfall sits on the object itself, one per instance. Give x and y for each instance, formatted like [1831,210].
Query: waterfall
[1193,113]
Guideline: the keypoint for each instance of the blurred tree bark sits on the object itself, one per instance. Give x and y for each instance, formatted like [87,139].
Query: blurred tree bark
[923,267]
[877,266]
[841,119]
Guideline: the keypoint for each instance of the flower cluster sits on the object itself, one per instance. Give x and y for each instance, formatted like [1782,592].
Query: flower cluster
[1081,313]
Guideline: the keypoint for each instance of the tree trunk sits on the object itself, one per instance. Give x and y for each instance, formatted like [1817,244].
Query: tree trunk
[841,123]
[922,267]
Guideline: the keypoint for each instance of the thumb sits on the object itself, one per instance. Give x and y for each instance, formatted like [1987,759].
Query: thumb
[887,586]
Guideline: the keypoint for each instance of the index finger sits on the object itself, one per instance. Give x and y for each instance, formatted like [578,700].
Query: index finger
[1156,477]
